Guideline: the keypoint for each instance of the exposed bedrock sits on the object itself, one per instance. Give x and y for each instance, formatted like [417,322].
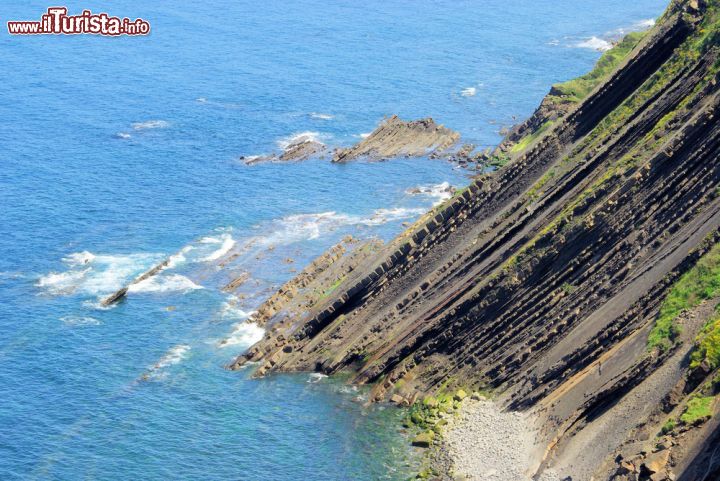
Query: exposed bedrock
[397,138]
[542,280]
[302,147]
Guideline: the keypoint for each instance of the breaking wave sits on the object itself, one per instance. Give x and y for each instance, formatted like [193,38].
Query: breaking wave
[95,274]
[316,377]
[308,136]
[301,227]
[164,283]
[468,92]
[175,355]
[595,43]
[441,192]
[244,335]
[227,244]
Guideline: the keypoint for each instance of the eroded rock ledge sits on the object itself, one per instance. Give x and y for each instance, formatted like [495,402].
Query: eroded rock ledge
[392,138]
[397,138]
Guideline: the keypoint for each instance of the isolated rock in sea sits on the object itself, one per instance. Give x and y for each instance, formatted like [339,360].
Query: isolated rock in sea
[300,148]
[122,292]
[395,138]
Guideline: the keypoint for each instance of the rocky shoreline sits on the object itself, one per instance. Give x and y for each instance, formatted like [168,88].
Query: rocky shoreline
[562,282]
[392,138]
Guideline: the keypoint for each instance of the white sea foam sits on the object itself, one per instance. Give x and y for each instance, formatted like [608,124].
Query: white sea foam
[178,258]
[302,137]
[95,274]
[645,24]
[320,116]
[440,192]
[79,321]
[123,135]
[150,124]
[300,227]
[365,135]
[595,43]
[78,258]
[468,92]
[383,216]
[226,241]
[59,283]
[638,26]
[174,355]
[316,377]
[164,283]
[231,311]
[244,334]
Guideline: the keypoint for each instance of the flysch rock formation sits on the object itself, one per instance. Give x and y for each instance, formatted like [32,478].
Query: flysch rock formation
[398,138]
[542,282]
[285,309]
[301,148]
[392,138]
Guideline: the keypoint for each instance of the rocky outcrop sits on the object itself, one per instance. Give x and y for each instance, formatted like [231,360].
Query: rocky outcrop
[122,292]
[302,147]
[397,138]
[542,280]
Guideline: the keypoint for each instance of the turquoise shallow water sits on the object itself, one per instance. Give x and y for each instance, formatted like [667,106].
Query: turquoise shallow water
[119,152]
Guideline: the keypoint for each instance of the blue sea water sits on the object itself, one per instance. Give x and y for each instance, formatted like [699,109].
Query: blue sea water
[118,152]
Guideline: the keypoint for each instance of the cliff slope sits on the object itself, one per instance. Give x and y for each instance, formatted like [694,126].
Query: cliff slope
[559,281]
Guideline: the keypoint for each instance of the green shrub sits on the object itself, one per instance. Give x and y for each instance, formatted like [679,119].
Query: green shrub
[708,346]
[669,426]
[579,88]
[699,283]
[698,410]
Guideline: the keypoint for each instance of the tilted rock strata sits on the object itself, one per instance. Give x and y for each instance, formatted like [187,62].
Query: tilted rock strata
[397,138]
[542,280]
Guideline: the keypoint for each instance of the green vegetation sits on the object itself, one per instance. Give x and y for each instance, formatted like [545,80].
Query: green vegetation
[527,140]
[498,160]
[699,283]
[577,89]
[669,426]
[332,287]
[698,410]
[708,346]
[428,413]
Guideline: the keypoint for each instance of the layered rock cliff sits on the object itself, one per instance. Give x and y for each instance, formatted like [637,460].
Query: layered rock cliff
[547,282]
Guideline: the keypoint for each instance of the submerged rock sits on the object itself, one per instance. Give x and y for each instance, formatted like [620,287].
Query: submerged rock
[395,138]
[423,440]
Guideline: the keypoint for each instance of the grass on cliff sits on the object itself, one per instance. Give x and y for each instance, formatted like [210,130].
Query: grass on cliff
[699,409]
[698,284]
[577,89]
[707,347]
[525,142]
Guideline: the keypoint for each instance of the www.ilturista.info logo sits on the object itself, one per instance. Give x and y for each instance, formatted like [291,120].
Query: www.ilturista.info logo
[57,21]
